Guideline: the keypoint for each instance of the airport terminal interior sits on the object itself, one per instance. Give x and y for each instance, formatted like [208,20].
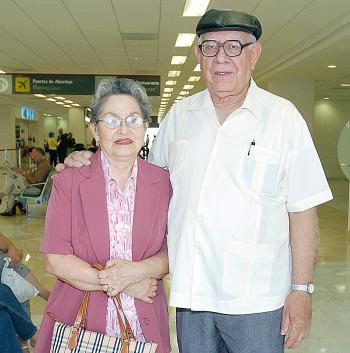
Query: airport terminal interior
[53,53]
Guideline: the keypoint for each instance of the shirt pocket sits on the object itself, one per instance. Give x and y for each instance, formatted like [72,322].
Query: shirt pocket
[178,152]
[247,269]
[260,170]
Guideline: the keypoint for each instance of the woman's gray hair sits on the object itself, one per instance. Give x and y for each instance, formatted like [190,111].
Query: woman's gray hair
[122,86]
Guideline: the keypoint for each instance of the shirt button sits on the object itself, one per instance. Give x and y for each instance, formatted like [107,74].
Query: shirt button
[145,321]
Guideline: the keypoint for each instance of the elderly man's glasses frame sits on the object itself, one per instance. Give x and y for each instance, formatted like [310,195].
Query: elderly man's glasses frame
[132,121]
[231,48]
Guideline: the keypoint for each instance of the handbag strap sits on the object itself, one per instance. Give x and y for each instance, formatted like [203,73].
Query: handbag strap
[123,322]
[80,320]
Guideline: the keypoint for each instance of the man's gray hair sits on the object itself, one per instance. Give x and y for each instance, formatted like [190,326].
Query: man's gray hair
[122,86]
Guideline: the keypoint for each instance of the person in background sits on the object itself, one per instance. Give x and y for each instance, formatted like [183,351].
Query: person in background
[62,147]
[246,178]
[9,250]
[15,325]
[70,142]
[42,169]
[113,212]
[52,148]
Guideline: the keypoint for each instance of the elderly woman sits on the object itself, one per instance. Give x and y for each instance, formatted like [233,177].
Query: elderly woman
[113,212]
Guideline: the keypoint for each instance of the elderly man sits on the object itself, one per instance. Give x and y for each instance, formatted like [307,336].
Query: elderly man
[246,178]
[42,169]
[242,225]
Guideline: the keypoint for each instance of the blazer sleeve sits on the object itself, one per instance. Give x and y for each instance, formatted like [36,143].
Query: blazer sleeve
[58,224]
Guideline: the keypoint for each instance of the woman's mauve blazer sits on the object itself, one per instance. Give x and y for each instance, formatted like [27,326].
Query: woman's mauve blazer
[77,223]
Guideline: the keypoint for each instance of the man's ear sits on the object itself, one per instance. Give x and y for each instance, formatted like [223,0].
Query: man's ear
[255,52]
[197,52]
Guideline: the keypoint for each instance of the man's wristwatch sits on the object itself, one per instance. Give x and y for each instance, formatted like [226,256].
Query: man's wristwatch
[308,287]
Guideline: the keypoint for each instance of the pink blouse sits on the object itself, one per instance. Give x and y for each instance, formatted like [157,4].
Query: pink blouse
[120,207]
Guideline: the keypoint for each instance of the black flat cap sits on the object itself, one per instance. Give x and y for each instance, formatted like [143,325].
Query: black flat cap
[228,20]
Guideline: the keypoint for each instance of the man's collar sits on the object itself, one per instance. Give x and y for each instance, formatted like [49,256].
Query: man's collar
[203,100]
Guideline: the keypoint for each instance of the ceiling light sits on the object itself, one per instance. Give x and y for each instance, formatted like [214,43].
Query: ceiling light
[39,95]
[174,73]
[168,89]
[188,86]
[67,106]
[68,101]
[178,60]
[60,98]
[195,7]
[48,115]
[166,95]
[59,102]
[184,93]
[76,105]
[332,66]
[170,83]
[59,118]
[184,39]
[179,98]
[345,84]
[326,98]
[51,99]
[197,68]
[2,72]
[194,78]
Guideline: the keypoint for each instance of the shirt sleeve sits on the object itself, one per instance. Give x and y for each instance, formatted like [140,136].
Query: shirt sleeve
[58,230]
[307,185]
[159,153]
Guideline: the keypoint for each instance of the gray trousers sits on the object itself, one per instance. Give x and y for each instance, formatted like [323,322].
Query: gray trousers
[207,332]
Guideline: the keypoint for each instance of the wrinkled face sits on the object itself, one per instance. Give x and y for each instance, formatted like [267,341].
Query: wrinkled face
[228,76]
[120,143]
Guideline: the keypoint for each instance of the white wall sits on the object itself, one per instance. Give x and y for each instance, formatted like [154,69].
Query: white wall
[329,119]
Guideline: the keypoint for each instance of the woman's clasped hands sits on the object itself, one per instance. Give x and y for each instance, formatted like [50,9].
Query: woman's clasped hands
[126,276]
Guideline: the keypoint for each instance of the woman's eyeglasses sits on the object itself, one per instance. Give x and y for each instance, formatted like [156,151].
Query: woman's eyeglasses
[132,121]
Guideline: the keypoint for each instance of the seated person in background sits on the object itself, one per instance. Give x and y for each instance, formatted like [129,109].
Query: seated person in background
[42,169]
[8,249]
[14,322]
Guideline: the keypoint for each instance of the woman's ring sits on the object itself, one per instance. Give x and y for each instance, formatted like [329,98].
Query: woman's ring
[109,289]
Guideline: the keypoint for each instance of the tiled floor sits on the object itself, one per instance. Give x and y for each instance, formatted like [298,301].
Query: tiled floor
[330,331]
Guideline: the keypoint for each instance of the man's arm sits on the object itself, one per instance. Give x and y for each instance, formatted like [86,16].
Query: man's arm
[304,238]
[11,251]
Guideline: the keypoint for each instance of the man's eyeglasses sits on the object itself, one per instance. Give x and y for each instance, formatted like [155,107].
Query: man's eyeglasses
[132,121]
[231,47]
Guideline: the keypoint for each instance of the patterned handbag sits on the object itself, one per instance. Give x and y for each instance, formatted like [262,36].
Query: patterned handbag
[76,339]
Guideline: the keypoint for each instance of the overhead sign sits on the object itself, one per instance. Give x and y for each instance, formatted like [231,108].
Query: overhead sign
[54,84]
[150,82]
[68,84]
[5,84]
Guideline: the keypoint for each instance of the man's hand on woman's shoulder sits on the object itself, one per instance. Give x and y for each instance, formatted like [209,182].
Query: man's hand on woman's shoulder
[75,159]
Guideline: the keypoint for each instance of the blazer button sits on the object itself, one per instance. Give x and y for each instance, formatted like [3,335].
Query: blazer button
[145,321]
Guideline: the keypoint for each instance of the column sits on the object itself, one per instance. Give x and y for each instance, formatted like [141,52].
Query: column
[7,131]
[301,93]
[77,124]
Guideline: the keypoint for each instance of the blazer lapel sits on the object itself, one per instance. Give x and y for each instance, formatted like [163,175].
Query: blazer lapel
[93,197]
[146,209]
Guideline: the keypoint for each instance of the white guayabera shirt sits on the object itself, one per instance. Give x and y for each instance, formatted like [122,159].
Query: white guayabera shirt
[233,186]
